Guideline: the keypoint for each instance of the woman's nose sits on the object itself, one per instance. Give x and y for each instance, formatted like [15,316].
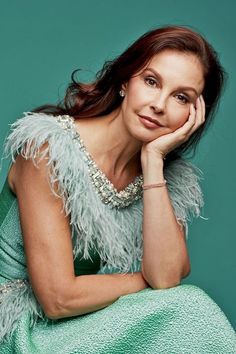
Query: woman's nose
[159,103]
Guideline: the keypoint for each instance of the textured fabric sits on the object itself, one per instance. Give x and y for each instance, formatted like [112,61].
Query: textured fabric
[179,320]
[183,319]
[13,266]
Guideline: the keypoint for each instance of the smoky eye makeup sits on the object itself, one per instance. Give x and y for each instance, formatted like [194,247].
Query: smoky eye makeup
[180,90]
[147,79]
[183,98]
[151,74]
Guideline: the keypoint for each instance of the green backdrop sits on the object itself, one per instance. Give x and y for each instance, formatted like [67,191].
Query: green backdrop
[43,42]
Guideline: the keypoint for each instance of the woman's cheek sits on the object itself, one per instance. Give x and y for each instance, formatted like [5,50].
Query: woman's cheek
[180,118]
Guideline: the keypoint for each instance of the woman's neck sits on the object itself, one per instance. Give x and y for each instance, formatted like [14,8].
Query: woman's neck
[111,146]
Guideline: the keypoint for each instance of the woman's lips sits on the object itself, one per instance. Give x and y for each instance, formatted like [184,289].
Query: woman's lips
[148,124]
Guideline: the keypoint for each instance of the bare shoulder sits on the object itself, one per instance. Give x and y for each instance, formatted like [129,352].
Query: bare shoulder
[17,167]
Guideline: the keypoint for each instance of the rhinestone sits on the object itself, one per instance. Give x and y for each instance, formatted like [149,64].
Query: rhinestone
[104,188]
[12,284]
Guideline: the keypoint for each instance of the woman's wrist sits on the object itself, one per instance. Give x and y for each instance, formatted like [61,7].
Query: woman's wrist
[151,158]
[152,167]
[151,155]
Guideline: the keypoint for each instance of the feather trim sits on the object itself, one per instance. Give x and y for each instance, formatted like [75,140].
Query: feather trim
[13,304]
[115,234]
[185,192]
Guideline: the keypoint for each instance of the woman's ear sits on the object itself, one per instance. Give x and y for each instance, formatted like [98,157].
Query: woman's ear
[124,86]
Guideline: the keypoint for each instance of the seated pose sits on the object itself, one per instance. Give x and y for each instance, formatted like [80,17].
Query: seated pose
[96,204]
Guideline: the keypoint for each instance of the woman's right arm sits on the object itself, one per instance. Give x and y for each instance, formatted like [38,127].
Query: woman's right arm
[49,254]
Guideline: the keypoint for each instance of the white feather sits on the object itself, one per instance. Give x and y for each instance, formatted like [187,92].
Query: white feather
[115,233]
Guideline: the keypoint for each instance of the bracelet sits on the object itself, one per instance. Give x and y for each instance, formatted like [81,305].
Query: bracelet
[149,186]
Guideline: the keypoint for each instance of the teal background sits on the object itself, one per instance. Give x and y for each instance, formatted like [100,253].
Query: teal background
[43,42]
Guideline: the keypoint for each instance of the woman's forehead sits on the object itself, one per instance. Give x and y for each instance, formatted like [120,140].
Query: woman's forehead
[174,57]
[177,67]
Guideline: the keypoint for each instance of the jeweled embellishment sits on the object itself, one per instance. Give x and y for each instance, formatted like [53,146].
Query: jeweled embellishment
[109,194]
[67,122]
[104,188]
[12,285]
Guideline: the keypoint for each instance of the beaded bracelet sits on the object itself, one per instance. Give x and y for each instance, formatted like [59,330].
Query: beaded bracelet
[149,186]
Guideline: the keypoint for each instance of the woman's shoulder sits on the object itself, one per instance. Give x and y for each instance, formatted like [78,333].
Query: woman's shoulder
[38,136]
[31,131]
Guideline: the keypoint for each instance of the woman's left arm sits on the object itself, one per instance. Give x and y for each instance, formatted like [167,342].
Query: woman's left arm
[165,255]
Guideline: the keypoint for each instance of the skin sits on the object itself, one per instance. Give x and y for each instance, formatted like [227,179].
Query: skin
[125,139]
[156,95]
[121,146]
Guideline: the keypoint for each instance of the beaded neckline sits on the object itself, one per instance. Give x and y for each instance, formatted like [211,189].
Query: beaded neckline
[103,186]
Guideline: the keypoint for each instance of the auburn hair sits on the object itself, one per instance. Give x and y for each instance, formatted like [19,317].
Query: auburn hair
[101,96]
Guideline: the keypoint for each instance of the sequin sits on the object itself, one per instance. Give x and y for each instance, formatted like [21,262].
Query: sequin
[179,319]
[12,285]
[103,187]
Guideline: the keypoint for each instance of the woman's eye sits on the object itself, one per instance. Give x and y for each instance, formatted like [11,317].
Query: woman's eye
[150,81]
[182,98]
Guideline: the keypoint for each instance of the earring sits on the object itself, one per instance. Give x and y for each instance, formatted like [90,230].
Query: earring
[122,93]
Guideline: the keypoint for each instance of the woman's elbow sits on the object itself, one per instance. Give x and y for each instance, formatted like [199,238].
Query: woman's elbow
[66,302]
[55,310]
[55,305]
[52,315]
[166,284]
[172,281]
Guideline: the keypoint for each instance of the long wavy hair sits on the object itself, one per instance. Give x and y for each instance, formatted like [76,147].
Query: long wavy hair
[101,96]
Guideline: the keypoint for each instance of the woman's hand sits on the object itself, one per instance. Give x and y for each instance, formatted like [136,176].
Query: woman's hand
[161,146]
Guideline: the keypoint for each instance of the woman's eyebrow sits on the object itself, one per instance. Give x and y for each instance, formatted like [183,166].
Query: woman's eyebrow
[180,87]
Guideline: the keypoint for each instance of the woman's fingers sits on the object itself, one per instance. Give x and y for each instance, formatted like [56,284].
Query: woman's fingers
[200,111]
[196,118]
[199,114]
[183,132]
[168,142]
[203,108]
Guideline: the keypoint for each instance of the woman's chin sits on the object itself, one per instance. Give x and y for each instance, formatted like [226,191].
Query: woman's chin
[147,136]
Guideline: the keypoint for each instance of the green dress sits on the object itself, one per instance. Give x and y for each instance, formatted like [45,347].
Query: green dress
[182,319]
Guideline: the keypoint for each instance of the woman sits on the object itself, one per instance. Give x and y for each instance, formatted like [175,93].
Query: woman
[96,204]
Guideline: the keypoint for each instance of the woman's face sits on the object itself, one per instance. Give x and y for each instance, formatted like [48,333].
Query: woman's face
[162,91]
